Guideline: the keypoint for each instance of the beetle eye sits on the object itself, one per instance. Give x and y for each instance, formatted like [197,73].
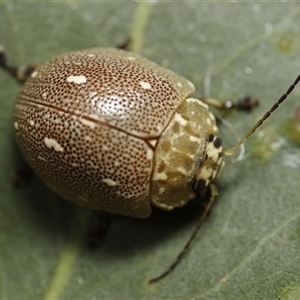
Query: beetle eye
[217,143]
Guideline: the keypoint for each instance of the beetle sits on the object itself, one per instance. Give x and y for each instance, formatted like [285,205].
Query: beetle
[110,130]
[113,131]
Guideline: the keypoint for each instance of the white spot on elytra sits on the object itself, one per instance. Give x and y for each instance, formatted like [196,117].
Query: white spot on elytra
[93,94]
[41,158]
[179,84]
[145,85]
[88,123]
[46,116]
[87,138]
[159,127]
[149,154]
[109,182]
[208,121]
[77,79]
[51,143]
[34,74]
[44,95]
[31,122]
[116,163]
[16,124]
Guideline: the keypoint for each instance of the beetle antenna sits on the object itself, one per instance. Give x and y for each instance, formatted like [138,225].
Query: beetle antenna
[265,117]
[214,193]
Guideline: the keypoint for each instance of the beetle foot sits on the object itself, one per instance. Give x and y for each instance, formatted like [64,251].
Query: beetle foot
[247,104]
[126,45]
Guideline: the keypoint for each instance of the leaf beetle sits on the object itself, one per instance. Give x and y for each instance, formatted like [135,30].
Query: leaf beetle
[113,131]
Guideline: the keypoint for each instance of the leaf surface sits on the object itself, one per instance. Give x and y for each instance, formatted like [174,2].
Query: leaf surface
[249,245]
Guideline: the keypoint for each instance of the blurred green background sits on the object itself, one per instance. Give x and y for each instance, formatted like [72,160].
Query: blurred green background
[249,245]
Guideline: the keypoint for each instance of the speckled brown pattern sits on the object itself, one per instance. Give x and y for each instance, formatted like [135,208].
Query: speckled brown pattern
[88,122]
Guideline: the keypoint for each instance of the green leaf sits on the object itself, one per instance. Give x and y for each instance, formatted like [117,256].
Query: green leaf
[248,247]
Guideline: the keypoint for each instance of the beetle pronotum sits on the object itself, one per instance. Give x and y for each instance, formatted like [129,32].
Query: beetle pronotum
[113,131]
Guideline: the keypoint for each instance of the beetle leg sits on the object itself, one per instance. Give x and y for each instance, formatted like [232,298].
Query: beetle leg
[247,103]
[99,228]
[19,73]
[214,193]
